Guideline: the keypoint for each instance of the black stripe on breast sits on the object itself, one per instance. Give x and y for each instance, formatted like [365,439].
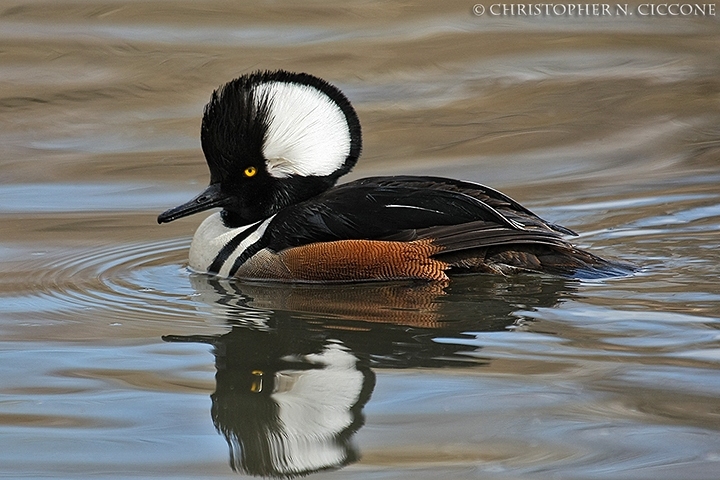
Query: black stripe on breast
[229,248]
[249,252]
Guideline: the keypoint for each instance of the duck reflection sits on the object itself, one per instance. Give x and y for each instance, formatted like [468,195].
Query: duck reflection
[294,372]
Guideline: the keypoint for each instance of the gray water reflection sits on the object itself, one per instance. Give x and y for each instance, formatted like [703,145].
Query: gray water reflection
[296,369]
[609,126]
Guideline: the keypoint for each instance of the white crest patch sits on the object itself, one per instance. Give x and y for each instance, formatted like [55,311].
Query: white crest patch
[308,132]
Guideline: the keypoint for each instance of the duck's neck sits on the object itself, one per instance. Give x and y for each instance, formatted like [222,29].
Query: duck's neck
[282,193]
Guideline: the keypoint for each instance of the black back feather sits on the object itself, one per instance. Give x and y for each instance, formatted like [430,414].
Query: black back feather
[407,208]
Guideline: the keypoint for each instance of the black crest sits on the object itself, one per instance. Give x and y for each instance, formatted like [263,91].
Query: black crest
[235,123]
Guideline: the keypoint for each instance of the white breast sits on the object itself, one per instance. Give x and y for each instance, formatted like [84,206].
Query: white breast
[211,237]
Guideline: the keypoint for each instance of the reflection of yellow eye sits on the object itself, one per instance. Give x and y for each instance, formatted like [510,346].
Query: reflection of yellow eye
[250,171]
[257,384]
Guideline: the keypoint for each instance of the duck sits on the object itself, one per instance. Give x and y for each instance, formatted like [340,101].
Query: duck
[277,142]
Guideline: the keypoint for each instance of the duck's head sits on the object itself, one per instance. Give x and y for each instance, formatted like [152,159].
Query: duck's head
[272,139]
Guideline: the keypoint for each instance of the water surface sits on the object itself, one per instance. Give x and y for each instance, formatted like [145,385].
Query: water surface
[117,362]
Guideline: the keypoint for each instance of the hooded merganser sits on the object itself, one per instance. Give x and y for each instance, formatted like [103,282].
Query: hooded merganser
[277,142]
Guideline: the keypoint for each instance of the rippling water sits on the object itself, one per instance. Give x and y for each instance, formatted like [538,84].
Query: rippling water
[116,361]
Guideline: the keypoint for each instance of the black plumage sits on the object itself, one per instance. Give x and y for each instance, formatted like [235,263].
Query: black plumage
[477,228]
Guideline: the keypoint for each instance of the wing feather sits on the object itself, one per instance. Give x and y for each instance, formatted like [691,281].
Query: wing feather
[403,208]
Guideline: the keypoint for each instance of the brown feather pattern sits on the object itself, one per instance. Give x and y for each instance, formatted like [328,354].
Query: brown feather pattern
[348,261]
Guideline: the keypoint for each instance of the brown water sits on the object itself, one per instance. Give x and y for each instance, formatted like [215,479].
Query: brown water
[116,362]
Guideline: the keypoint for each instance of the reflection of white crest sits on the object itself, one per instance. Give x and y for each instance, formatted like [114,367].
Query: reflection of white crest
[314,409]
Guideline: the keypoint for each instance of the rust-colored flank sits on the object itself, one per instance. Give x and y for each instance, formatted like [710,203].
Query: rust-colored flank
[348,260]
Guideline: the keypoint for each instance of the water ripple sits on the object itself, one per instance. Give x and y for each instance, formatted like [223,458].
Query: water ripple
[137,280]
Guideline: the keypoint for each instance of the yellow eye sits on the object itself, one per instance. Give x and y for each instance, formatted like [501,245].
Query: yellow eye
[250,171]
